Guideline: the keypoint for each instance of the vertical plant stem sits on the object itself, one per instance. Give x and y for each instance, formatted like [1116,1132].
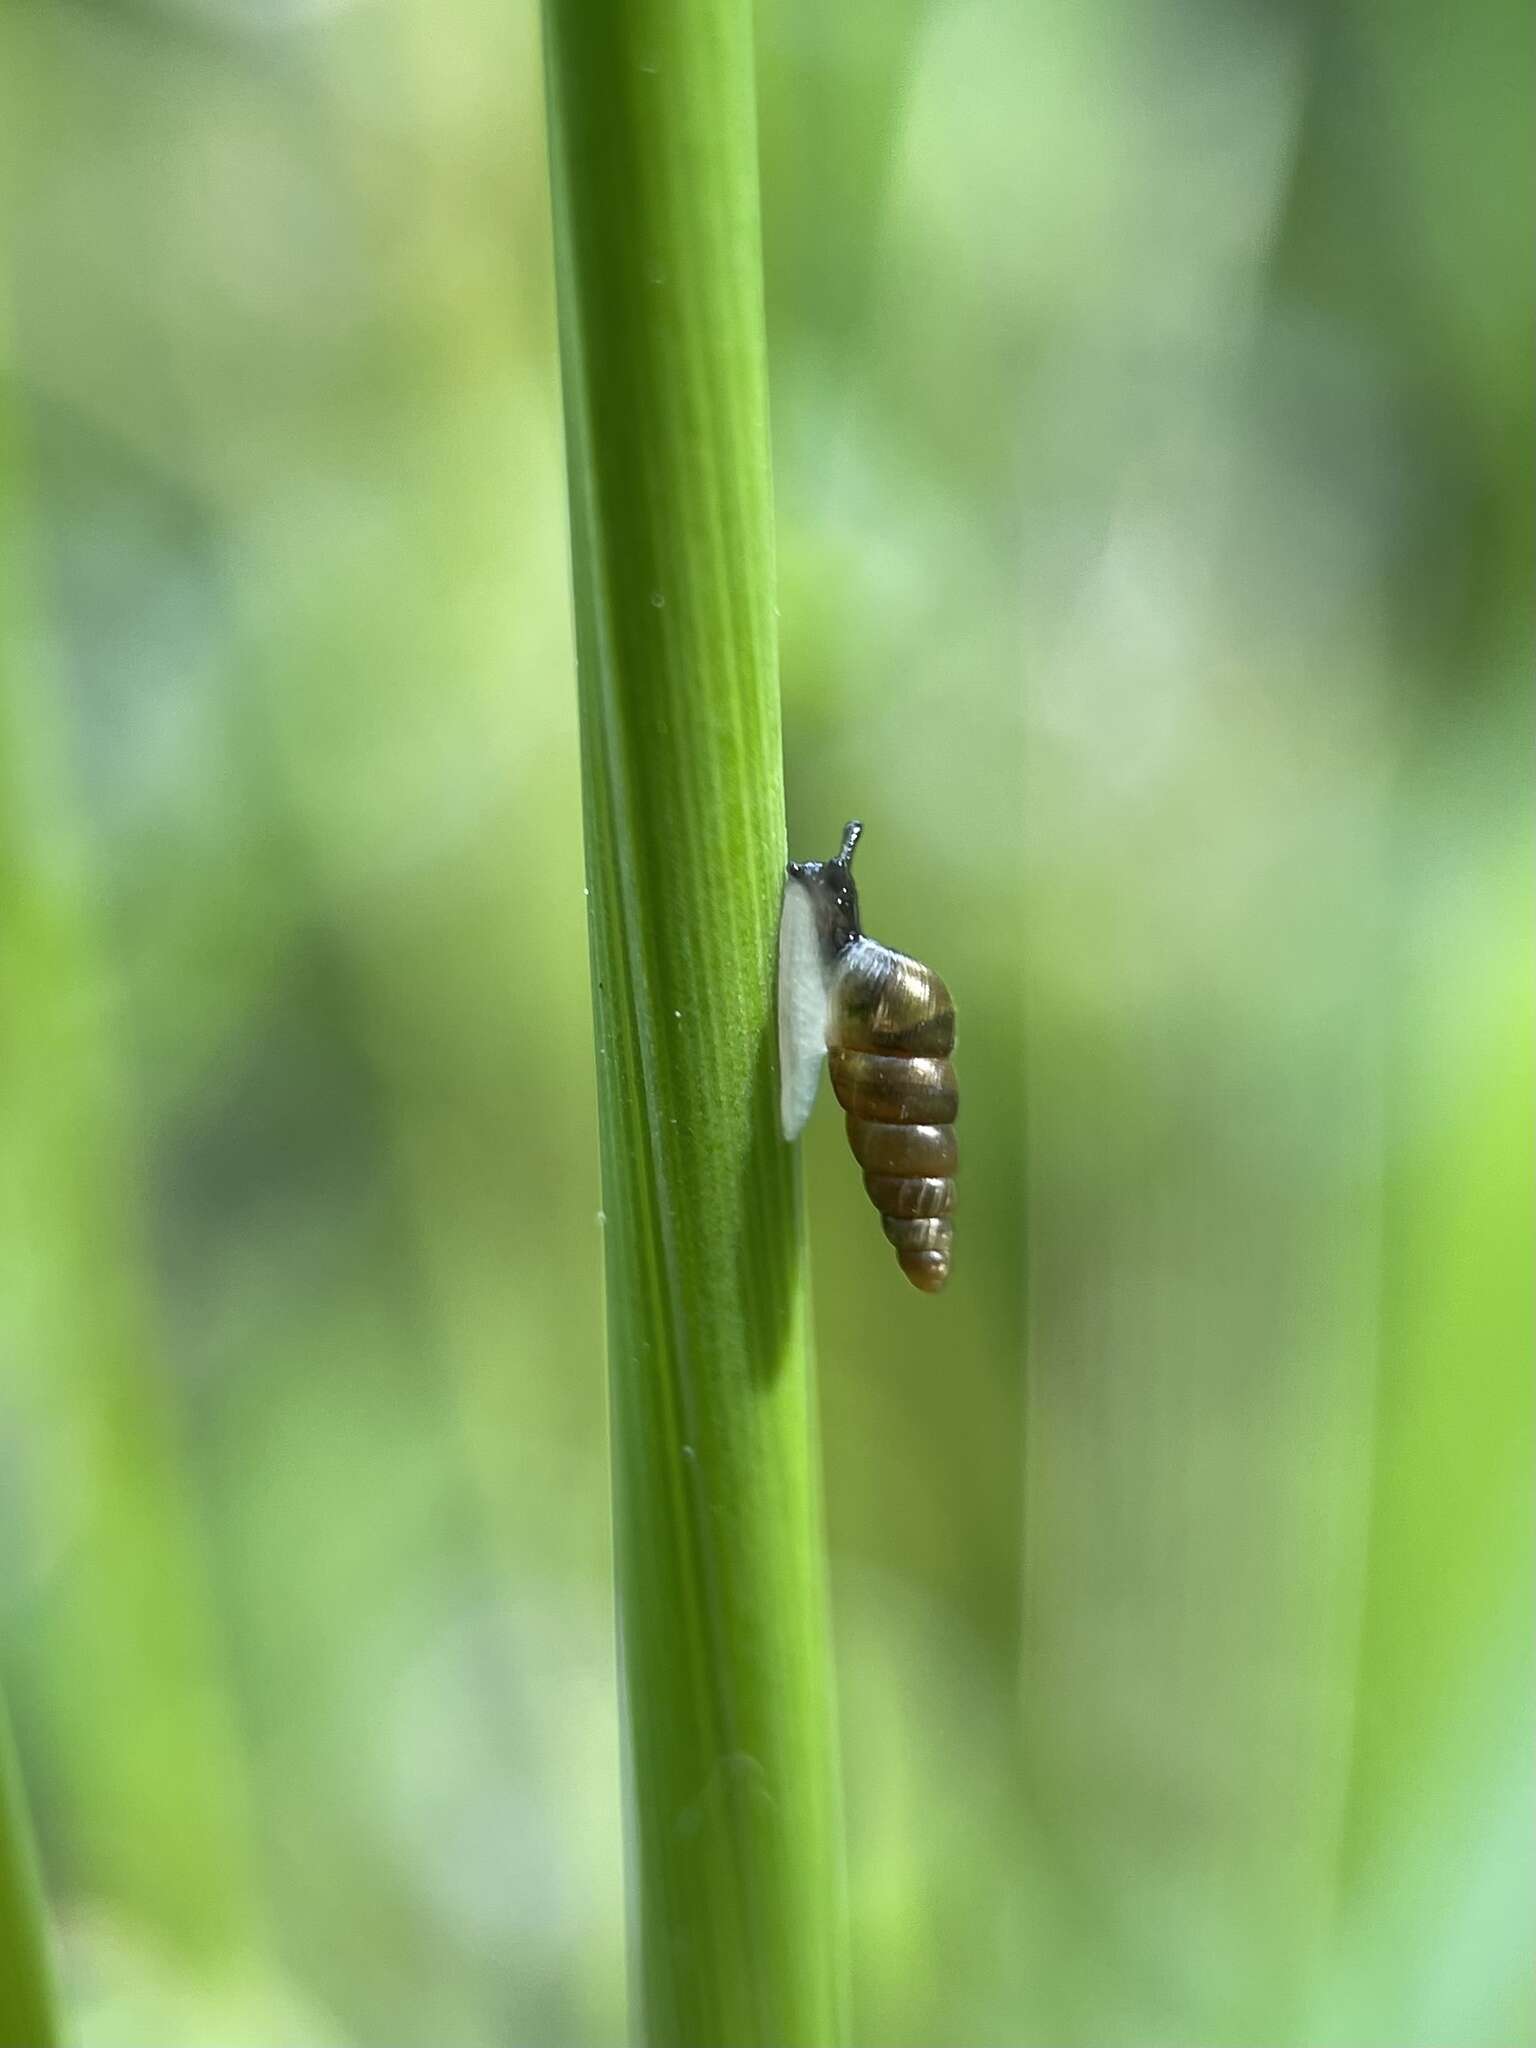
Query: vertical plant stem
[735,1858]
[26,1989]
[27,2017]
[114,1664]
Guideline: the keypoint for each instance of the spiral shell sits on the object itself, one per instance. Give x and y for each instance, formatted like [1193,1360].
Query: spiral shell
[890,1031]
[887,1026]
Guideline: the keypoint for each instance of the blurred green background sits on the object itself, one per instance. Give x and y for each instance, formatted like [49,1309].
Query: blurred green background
[1152,415]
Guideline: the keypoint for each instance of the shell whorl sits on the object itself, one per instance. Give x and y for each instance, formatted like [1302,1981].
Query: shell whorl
[890,1031]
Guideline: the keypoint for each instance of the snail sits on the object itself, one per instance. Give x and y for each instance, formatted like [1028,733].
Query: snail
[886,1025]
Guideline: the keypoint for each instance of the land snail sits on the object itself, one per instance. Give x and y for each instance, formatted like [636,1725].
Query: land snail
[886,1026]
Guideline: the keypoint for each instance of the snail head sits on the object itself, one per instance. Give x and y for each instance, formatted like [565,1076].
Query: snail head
[834,896]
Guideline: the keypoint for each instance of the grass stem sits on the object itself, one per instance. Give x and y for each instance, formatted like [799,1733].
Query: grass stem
[734,1832]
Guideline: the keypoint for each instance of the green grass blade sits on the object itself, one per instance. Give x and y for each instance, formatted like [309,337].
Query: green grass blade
[735,1856]
[113,1659]
[26,1989]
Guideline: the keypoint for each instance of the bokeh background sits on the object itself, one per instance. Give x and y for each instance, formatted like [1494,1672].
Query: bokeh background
[1152,415]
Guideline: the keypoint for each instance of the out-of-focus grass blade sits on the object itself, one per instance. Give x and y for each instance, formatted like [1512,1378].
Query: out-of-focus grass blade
[115,1664]
[1437,1881]
[735,1857]
[27,2017]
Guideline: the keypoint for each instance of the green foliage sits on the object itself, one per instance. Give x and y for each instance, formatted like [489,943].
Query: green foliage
[27,2010]
[1151,413]
[27,2018]
[721,1576]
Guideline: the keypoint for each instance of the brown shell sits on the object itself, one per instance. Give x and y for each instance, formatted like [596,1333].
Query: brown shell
[891,1029]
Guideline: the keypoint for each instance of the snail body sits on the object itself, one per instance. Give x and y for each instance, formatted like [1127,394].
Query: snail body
[886,1026]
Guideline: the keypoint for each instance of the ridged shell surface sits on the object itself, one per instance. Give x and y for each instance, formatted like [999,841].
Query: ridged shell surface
[890,1032]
